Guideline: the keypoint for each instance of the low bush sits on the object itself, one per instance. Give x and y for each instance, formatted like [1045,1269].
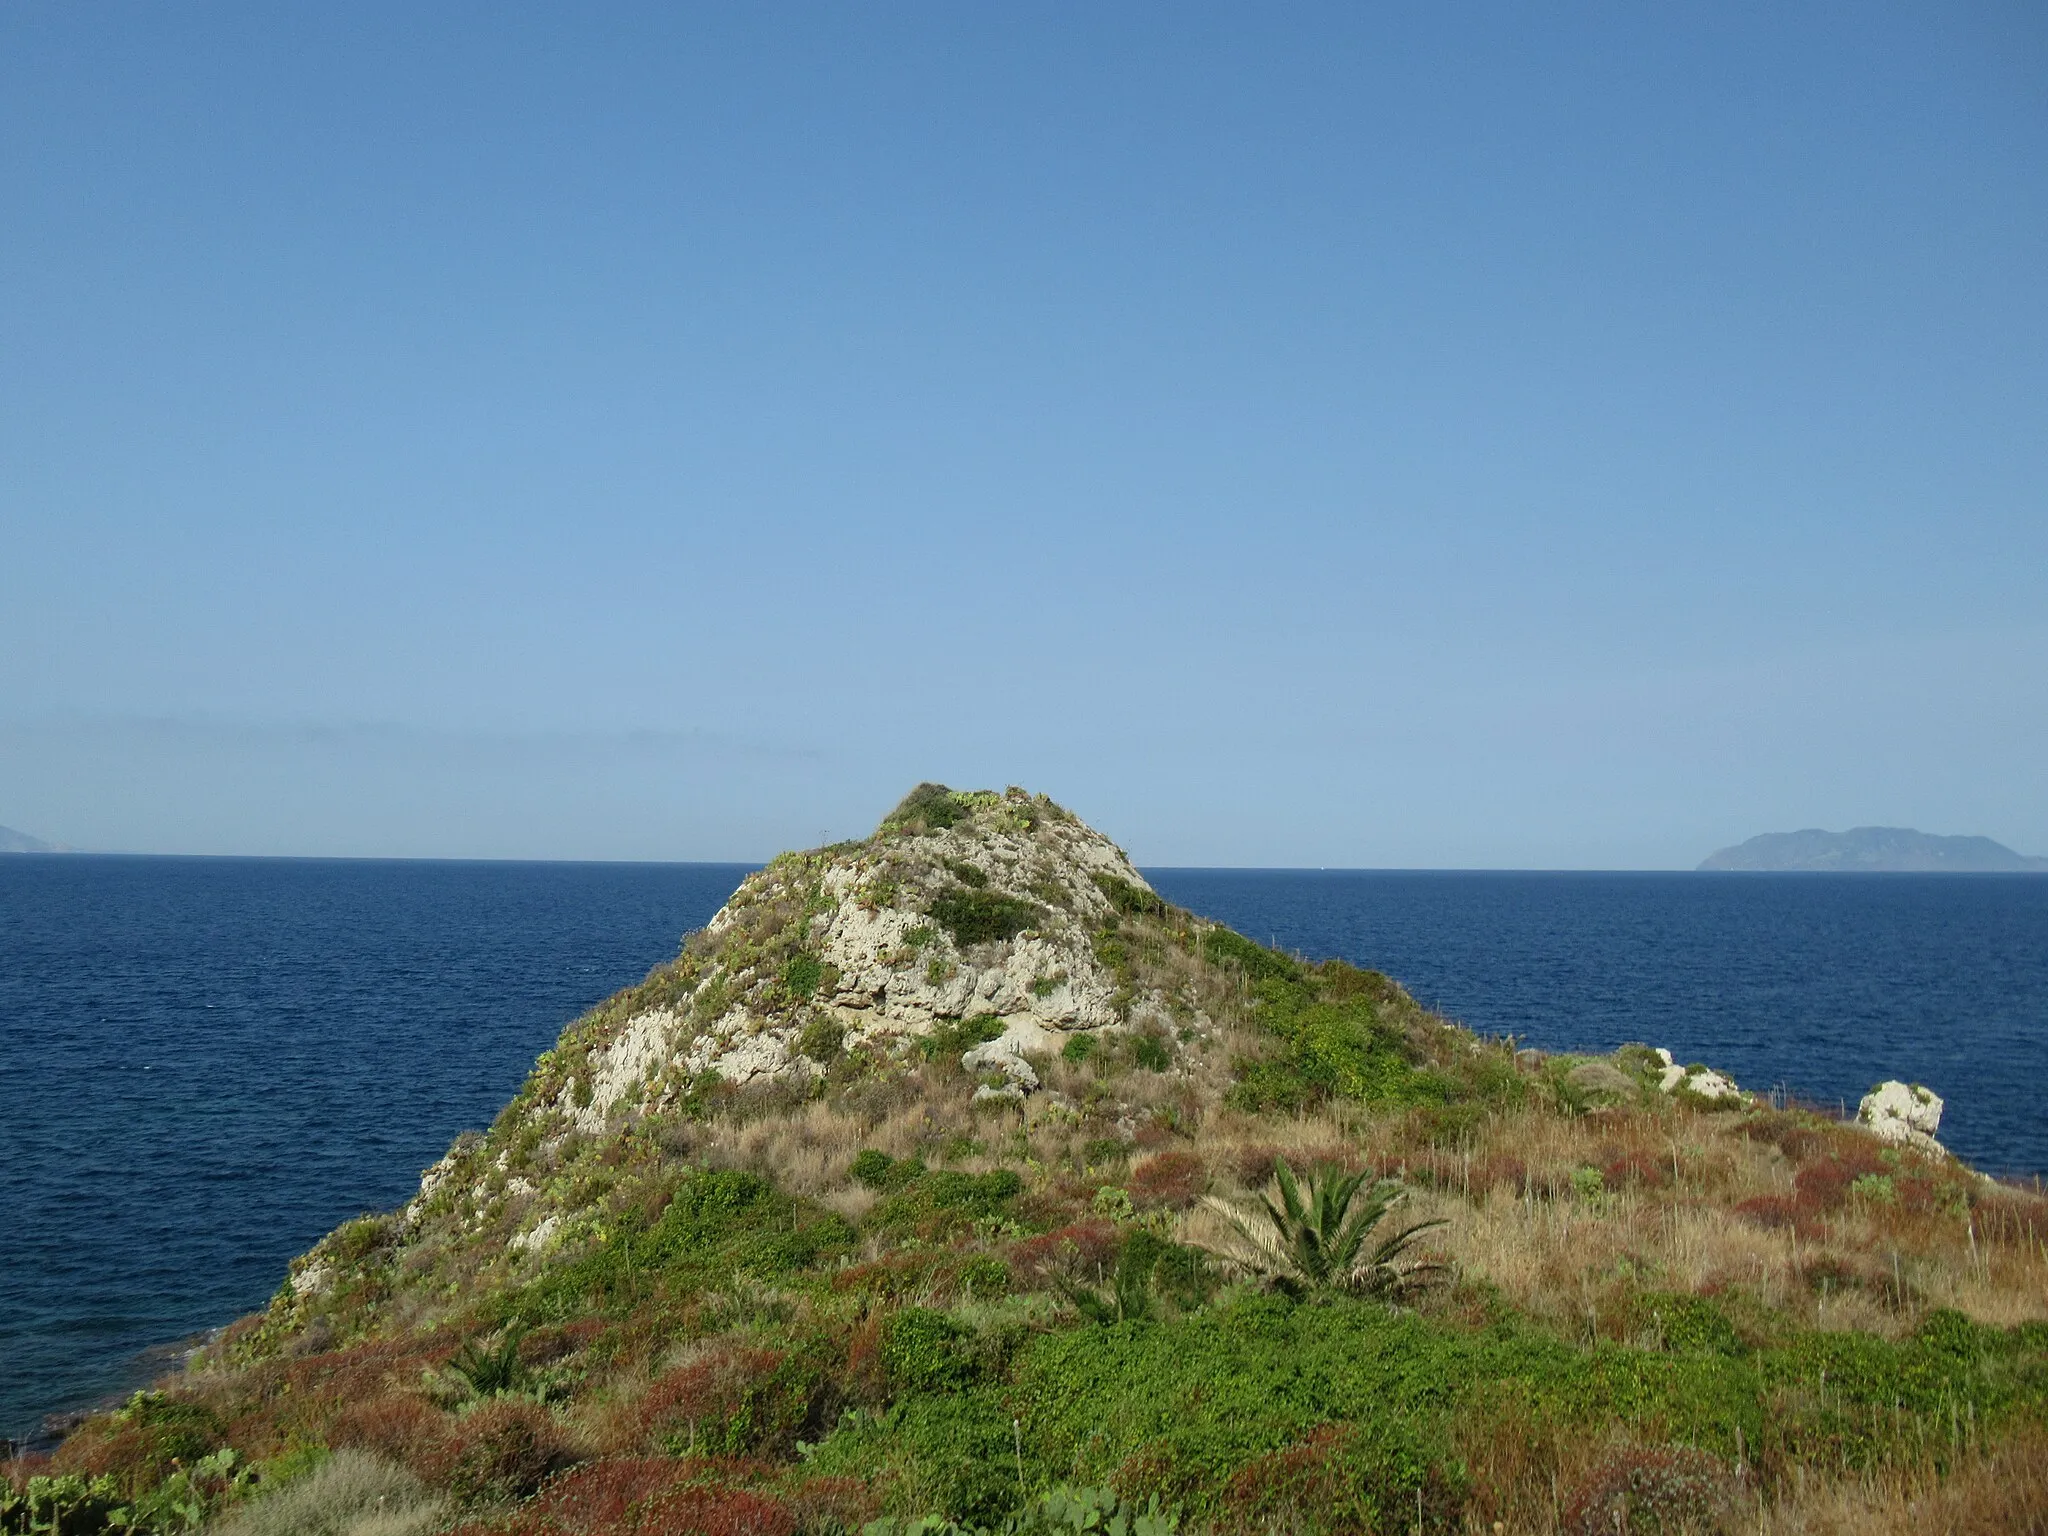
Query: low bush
[1129,899]
[927,808]
[66,1502]
[397,1427]
[801,974]
[823,1040]
[503,1450]
[138,1444]
[718,1222]
[1172,1179]
[947,1042]
[737,1400]
[1150,1051]
[935,1204]
[1060,1512]
[977,916]
[1652,1491]
[348,1493]
[923,1352]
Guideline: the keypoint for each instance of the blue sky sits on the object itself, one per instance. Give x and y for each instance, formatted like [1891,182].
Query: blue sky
[1400,435]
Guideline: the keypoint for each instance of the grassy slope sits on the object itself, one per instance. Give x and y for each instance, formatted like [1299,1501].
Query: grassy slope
[742,1307]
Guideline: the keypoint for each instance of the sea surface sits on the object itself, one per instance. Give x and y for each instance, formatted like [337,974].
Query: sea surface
[205,1064]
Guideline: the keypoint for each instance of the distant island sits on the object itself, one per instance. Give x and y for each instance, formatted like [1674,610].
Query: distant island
[1874,850]
[12,841]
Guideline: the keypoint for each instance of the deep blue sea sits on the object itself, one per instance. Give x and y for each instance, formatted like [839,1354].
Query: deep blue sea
[207,1063]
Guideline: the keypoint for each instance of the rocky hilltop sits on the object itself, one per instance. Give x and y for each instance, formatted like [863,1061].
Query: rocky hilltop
[1874,850]
[953,1173]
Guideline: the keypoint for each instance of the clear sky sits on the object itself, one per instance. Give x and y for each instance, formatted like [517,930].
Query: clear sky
[1404,434]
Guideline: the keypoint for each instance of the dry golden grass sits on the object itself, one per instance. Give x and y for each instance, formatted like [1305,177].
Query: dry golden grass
[2002,1492]
[1556,1247]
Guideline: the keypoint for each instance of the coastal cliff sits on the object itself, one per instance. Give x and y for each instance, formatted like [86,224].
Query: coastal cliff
[953,1172]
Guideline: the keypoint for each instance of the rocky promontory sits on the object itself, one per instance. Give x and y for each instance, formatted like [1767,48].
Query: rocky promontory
[951,1179]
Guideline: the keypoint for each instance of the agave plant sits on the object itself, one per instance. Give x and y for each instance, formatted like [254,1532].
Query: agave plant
[480,1373]
[1326,1237]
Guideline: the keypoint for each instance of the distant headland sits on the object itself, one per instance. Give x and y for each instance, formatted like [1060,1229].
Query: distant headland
[12,841]
[1874,850]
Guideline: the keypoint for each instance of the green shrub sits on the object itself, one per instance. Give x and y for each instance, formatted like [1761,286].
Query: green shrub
[922,1352]
[1687,1324]
[802,973]
[950,1040]
[1131,900]
[69,1504]
[938,1203]
[717,1222]
[965,873]
[975,917]
[872,1167]
[1337,1033]
[927,808]
[823,1040]
[1062,1511]
[1078,1048]
[1150,1052]
[946,1451]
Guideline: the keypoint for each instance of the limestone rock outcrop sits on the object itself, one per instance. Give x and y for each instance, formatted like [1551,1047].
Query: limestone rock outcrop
[1903,1114]
[1705,1082]
[964,907]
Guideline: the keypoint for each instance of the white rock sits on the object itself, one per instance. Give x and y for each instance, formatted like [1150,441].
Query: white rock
[630,1058]
[1904,1115]
[1706,1082]
[1005,1055]
[431,1179]
[312,1280]
[539,1238]
[1710,1084]
[761,1055]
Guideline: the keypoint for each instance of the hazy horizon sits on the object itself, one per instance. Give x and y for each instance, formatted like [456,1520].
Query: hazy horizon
[1406,439]
[758,861]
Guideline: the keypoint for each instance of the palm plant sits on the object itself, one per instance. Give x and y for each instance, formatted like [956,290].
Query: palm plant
[1127,1298]
[496,1372]
[1324,1237]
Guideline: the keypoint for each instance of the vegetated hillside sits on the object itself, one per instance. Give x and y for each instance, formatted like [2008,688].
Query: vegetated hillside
[1876,850]
[927,1181]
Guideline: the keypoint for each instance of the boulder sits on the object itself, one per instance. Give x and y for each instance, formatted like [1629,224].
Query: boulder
[1904,1114]
[1600,1080]
[1000,1058]
[1709,1084]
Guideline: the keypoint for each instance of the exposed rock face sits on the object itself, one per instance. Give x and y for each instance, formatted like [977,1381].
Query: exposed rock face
[963,907]
[986,919]
[1904,1114]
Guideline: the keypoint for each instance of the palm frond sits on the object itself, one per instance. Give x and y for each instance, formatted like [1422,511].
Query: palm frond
[1322,1236]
